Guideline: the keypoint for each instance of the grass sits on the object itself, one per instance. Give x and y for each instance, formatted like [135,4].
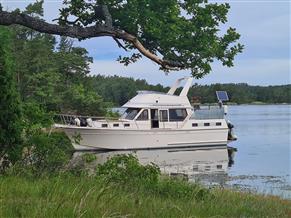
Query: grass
[84,196]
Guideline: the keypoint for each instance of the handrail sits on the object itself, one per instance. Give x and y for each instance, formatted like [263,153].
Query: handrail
[83,116]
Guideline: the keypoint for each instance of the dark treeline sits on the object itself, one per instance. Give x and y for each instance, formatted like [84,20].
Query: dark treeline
[243,93]
[118,90]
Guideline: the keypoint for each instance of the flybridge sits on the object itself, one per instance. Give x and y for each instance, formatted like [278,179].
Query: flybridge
[184,92]
[153,99]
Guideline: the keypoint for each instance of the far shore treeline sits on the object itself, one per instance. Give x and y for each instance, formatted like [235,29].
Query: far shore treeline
[118,90]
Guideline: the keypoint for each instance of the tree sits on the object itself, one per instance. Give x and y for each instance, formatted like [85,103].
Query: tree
[175,34]
[47,71]
[10,108]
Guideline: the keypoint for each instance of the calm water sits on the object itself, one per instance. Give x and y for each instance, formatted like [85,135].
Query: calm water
[263,158]
[262,162]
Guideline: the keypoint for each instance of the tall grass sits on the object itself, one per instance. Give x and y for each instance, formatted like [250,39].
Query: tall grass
[72,196]
[141,192]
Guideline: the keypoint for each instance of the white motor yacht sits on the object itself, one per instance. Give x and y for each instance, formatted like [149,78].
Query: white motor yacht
[153,120]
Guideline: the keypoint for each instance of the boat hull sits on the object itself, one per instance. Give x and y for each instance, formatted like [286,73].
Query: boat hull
[101,139]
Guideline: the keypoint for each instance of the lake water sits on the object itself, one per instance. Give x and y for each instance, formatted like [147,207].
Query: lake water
[263,158]
[262,162]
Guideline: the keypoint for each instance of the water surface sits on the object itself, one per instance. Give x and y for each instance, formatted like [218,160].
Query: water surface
[261,164]
[263,158]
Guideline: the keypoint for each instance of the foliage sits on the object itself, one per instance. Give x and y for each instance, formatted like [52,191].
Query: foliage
[243,93]
[183,32]
[50,73]
[43,154]
[10,108]
[174,34]
[89,158]
[50,152]
[72,61]
[126,172]
[125,169]
[119,90]
[80,100]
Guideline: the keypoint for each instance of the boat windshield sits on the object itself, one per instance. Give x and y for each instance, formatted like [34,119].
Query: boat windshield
[130,113]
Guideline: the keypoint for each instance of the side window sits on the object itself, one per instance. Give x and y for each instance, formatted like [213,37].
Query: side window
[144,115]
[130,113]
[164,116]
[177,114]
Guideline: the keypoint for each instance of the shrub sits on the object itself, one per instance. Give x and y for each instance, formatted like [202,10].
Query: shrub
[126,169]
[49,153]
[129,174]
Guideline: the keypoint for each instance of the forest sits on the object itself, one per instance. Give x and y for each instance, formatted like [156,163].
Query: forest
[118,90]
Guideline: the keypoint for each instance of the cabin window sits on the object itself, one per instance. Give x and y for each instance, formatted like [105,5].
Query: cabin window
[164,116]
[144,115]
[131,113]
[115,125]
[177,114]
[194,124]
[126,125]
[206,124]
[104,125]
[218,124]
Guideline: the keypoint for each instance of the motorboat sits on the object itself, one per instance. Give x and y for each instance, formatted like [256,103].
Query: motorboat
[153,120]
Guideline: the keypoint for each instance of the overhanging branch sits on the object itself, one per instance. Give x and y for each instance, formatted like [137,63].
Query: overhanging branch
[99,30]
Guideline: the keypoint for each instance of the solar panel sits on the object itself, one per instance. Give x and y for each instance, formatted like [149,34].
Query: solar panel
[222,96]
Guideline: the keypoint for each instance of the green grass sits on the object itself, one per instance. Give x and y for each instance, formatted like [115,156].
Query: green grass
[84,196]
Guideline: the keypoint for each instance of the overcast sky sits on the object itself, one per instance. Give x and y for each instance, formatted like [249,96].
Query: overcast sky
[265,31]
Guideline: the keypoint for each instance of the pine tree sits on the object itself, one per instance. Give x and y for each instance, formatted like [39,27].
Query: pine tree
[10,107]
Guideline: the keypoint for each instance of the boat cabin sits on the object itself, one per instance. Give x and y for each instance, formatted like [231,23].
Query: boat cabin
[151,109]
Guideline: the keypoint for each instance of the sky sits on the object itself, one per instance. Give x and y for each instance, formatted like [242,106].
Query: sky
[264,26]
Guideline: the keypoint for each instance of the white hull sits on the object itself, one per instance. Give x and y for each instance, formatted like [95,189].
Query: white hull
[102,139]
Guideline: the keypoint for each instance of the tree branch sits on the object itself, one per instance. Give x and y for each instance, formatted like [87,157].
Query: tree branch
[99,30]
[119,43]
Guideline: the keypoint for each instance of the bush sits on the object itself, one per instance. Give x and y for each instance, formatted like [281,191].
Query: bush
[48,153]
[129,174]
[126,169]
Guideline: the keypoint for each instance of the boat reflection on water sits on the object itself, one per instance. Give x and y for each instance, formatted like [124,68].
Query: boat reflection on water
[206,166]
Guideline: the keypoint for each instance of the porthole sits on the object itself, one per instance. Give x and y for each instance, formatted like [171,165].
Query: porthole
[126,125]
[218,124]
[194,124]
[206,124]
[115,125]
[104,125]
